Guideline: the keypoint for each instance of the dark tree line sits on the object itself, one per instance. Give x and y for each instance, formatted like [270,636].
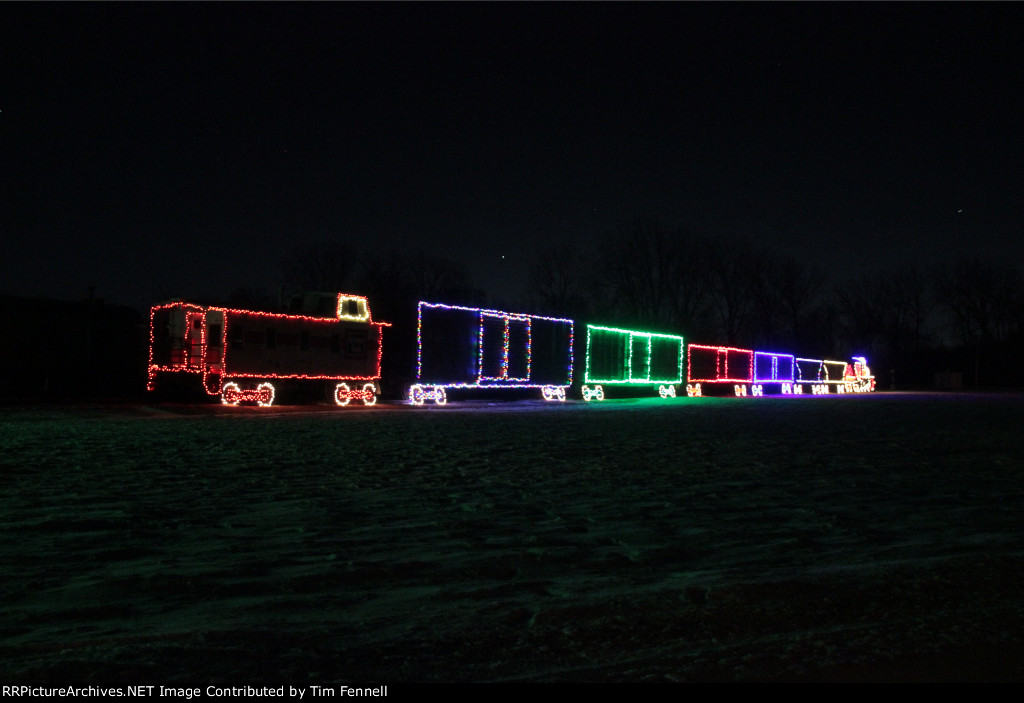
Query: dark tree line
[911,322]
[651,276]
[63,349]
[960,324]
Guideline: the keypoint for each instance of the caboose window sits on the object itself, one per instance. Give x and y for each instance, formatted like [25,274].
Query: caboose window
[214,340]
[353,308]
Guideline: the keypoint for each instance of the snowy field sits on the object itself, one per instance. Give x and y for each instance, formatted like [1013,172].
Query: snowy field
[697,539]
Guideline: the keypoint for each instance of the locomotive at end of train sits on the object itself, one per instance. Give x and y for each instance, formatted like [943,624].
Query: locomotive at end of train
[332,348]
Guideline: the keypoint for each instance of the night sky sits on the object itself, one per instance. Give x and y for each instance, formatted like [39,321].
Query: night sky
[185,150]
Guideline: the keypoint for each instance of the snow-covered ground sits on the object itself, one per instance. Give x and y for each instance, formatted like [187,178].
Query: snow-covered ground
[854,537]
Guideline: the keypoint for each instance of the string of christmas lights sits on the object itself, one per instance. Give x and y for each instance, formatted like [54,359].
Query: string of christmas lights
[506,323]
[620,356]
[709,364]
[553,393]
[858,378]
[191,351]
[262,395]
[419,394]
[511,359]
[772,367]
[217,344]
[822,375]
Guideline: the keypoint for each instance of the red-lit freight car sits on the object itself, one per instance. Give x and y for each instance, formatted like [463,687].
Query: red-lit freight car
[247,356]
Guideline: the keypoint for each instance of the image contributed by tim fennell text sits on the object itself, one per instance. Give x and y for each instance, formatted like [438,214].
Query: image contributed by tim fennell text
[291,692]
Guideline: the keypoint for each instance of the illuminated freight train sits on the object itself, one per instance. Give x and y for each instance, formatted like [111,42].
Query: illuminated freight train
[462,347]
[245,356]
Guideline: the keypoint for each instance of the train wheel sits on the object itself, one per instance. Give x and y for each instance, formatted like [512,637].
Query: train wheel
[416,395]
[600,393]
[211,382]
[265,397]
[439,395]
[369,394]
[229,394]
[341,394]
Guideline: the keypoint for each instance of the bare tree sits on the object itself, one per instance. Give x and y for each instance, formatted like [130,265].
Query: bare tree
[982,299]
[689,287]
[886,315]
[639,263]
[799,296]
[862,303]
[442,278]
[560,280]
[912,304]
[325,266]
[983,302]
[764,285]
[730,267]
[418,276]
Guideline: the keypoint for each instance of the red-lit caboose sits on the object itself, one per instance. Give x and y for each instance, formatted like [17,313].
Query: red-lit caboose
[246,355]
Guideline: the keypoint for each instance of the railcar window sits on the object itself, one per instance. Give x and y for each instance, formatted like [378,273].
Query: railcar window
[214,340]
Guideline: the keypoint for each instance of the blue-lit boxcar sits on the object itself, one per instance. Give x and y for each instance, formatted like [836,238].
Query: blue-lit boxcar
[463,347]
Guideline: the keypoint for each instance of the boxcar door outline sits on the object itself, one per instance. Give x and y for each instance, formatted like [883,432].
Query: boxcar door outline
[639,357]
[504,348]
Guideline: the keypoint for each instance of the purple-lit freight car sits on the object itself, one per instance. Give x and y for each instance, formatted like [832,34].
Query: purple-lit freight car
[462,347]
